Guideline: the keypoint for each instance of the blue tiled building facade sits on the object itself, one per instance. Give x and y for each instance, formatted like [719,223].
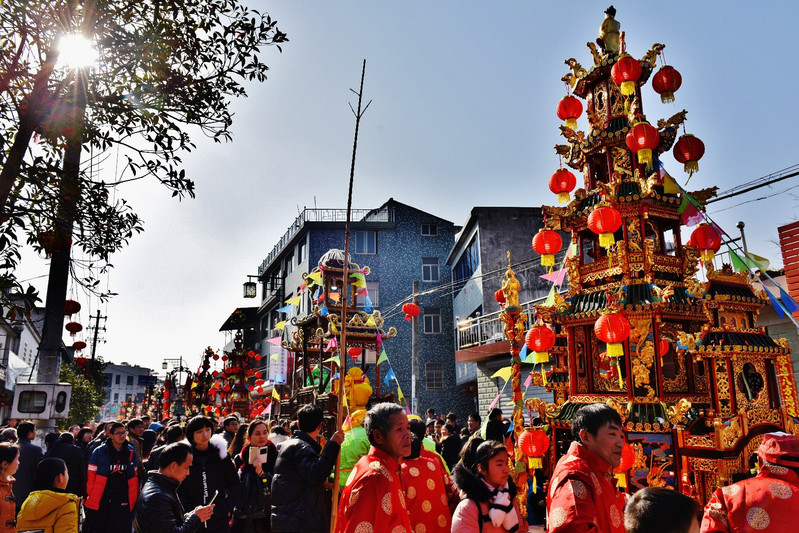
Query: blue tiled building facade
[400,244]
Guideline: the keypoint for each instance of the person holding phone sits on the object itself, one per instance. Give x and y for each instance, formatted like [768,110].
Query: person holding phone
[256,465]
[159,510]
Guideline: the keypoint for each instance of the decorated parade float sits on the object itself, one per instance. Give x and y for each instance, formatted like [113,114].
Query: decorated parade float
[649,324]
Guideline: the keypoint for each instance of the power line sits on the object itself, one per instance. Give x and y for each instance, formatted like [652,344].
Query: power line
[768,179]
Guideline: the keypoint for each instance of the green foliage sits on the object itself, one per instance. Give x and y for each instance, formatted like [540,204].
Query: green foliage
[168,71]
[86,398]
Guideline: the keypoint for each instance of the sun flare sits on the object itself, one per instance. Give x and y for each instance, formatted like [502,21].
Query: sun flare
[76,51]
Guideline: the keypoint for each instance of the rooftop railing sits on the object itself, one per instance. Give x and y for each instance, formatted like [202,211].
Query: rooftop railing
[488,329]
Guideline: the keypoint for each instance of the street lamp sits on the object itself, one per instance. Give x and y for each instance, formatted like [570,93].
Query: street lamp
[250,287]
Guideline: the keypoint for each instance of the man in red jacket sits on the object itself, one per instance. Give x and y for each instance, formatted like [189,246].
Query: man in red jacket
[768,502]
[582,493]
[112,485]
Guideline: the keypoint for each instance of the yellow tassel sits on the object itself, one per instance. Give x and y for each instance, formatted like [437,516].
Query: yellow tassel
[606,240]
[622,479]
[548,260]
[543,376]
[627,88]
[541,357]
[645,156]
[667,97]
[708,255]
[571,123]
[535,488]
[563,198]
[691,166]
[615,349]
[535,462]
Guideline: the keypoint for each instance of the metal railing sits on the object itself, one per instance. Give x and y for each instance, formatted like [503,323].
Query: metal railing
[488,329]
[323,215]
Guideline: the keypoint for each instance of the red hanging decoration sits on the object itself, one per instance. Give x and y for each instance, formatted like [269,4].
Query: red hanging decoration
[73,328]
[534,444]
[81,361]
[79,345]
[569,110]
[605,221]
[547,243]
[707,240]
[539,340]
[688,150]
[499,296]
[562,183]
[613,329]
[641,140]
[627,458]
[71,307]
[666,81]
[411,310]
[625,73]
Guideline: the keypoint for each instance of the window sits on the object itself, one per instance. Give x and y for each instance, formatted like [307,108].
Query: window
[130,380]
[108,378]
[116,396]
[301,252]
[468,263]
[434,376]
[429,230]
[429,268]
[116,380]
[432,320]
[289,264]
[365,242]
[373,288]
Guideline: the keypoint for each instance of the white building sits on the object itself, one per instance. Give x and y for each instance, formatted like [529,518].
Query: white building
[124,382]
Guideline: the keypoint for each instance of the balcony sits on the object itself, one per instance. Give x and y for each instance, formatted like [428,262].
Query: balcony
[323,215]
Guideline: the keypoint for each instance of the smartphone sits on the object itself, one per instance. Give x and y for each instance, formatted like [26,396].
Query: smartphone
[258,452]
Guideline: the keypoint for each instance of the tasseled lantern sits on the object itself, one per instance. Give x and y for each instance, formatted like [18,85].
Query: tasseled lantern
[569,110]
[533,443]
[625,73]
[613,329]
[539,340]
[666,82]
[562,183]
[688,150]
[605,221]
[547,243]
[707,240]
[627,461]
[641,140]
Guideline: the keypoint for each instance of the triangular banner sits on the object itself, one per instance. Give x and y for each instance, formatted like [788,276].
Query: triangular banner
[774,303]
[274,340]
[286,309]
[383,357]
[756,262]
[550,298]
[528,380]
[503,373]
[294,301]
[280,325]
[335,359]
[737,263]
[555,277]
[389,376]
[788,302]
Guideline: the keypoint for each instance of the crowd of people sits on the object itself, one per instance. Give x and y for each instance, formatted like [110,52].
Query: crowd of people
[399,473]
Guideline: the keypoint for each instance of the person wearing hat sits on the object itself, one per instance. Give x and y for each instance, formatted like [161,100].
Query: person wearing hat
[767,502]
[354,446]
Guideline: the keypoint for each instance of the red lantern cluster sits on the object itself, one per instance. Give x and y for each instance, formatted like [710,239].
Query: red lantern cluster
[562,183]
[569,110]
[666,81]
[641,140]
[79,345]
[707,240]
[605,221]
[625,73]
[688,150]
[411,310]
[547,243]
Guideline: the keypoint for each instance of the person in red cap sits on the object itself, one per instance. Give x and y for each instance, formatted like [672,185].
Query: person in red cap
[768,502]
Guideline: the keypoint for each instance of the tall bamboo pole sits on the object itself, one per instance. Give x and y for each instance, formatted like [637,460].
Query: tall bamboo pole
[342,348]
[514,320]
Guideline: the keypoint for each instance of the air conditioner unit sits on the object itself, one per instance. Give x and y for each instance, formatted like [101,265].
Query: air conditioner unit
[41,401]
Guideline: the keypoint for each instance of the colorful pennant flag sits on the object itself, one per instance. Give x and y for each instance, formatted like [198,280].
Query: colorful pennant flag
[294,301]
[367,305]
[737,263]
[286,309]
[275,394]
[756,262]
[334,296]
[371,322]
[383,357]
[280,325]
[274,356]
[323,311]
[775,304]
[274,340]
[335,359]
[503,373]
[550,298]
[789,303]
[389,376]
[332,344]
[399,394]
[494,402]
[555,277]
[528,380]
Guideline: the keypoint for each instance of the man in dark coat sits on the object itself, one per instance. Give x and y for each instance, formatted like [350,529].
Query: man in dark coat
[73,456]
[298,494]
[158,509]
[29,456]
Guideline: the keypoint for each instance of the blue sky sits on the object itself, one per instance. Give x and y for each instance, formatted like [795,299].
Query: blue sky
[463,114]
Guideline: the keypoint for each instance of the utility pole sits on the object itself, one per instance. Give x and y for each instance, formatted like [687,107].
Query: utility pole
[415,350]
[96,332]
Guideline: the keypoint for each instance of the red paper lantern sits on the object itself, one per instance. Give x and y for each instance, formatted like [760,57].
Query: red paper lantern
[688,150]
[613,328]
[216,357]
[562,183]
[605,221]
[547,243]
[79,345]
[224,357]
[641,140]
[411,310]
[534,444]
[73,327]
[257,357]
[666,82]
[540,339]
[707,240]
[627,458]
[354,351]
[81,361]
[625,73]
[569,110]
[71,307]
[499,296]
[663,347]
